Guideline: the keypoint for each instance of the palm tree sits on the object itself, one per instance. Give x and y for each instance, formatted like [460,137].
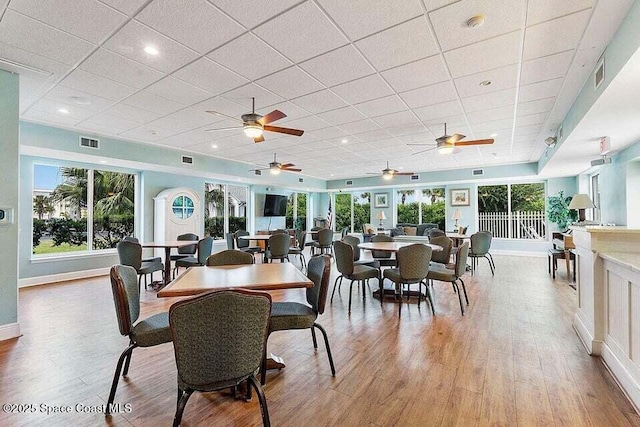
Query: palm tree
[434,194]
[404,194]
[213,199]
[42,205]
[73,190]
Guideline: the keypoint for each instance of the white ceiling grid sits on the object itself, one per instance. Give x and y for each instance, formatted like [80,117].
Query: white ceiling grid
[362,77]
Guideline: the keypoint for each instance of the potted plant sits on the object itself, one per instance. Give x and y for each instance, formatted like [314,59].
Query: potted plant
[558,210]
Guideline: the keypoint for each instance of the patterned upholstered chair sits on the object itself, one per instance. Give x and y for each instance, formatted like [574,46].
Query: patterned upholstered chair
[204,250]
[294,315]
[301,241]
[219,340]
[444,256]
[325,239]
[231,242]
[230,257]
[135,240]
[348,269]
[243,244]
[130,253]
[186,251]
[480,245]
[435,232]
[149,332]
[440,272]
[278,247]
[383,257]
[354,242]
[413,267]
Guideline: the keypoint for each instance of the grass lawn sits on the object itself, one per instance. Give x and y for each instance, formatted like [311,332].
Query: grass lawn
[47,247]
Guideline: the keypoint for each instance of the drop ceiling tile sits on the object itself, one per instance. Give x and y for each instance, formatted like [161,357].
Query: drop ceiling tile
[545,89]
[146,133]
[493,125]
[254,12]
[84,100]
[52,108]
[319,102]
[210,76]
[307,124]
[116,123]
[28,34]
[116,67]
[555,36]
[430,95]
[328,133]
[416,74]
[378,107]
[314,33]
[543,10]
[364,89]
[291,83]
[436,111]
[491,114]
[500,78]
[150,102]
[92,22]
[125,6]
[396,119]
[134,37]
[373,135]
[531,119]
[191,117]
[489,100]
[124,111]
[342,115]
[194,23]
[538,106]
[292,111]
[179,91]
[449,23]
[485,55]
[360,18]
[224,106]
[49,67]
[338,66]
[360,126]
[49,118]
[406,129]
[97,85]
[436,126]
[398,45]
[528,130]
[546,68]
[243,94]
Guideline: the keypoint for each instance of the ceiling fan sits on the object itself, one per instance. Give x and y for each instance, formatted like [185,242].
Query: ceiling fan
[447,143]
[276,167]
[388,173]
[254,124]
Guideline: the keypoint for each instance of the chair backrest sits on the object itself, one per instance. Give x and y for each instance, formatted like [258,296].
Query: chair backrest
[318,271]
[130,239]
[461,259]
[381,238]
[368,229]
[279,244]
[314,236]
[443,256]
[126,296]
[398,231]
[280,231]
[480,243]
[354,242]
[191,249]
[231,244]
[301,238]
[423,229]
[241,243]
[230,257]
[344,232]
[130,253]
[413,261]
[204,249]
[463,230]
[436,232]
[220,336]
[343,253]
[325,237]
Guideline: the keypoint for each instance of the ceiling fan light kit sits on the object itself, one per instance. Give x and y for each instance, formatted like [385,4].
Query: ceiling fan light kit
[446,144]
[253,130]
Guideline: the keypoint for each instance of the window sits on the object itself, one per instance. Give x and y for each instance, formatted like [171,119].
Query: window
[182,207]
[296,217]
[512,211]
[433,206]
[225,209]
[407,207]
[361,210]
[78,209]
[343,211]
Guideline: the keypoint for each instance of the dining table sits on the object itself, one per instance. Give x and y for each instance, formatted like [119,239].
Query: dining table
[168,245]
[458,239]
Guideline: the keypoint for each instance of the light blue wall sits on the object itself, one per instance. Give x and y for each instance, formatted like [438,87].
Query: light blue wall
[9,173]
[469,213]
[614,192]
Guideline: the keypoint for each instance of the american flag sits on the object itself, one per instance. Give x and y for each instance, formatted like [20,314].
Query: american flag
[329,215]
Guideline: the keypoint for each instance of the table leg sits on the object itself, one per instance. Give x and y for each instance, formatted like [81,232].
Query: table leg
[167,265]
[567,258]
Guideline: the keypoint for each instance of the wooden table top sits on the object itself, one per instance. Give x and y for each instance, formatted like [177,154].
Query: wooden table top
[394,246]
[169,244]
[260,277]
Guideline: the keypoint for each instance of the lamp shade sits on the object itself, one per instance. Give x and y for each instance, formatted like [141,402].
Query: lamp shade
[381,215]
[581,201]
[457,214]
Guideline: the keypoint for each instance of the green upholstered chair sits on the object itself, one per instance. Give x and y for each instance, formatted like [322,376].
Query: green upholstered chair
[435,232]
[278,247]
[149,332]
[301,241]
[204,250]
[384,258]
[130,253]
[148,259]
[413,267]
[219,340]
[354,242]
[324,242]
[243,244]
[440,272]
[348,270]
[444,256]
[230,257]
[186,251]
[295,315]
[480,245]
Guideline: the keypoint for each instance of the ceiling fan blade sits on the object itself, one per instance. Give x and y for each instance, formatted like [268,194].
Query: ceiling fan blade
[287,165]
[475,142]
[373,173]
[291,170]
[454,138]
[423,151]
[272,117]
[404,173]
[215,113]
[288,131]
[221,129]
[420,143]
[258,139]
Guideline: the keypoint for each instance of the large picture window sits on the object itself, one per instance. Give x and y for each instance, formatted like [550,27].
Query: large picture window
[420,206]
[296,217]
[225,209]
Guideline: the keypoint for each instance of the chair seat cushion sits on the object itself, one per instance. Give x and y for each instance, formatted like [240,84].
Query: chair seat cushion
[188,262]
[393,274]
[295,251]
[440,272]
[178,256]
[291,315]
[152,259]
[152,331]
[361,272]
[150,267]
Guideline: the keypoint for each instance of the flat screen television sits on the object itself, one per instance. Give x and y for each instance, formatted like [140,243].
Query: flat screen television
[275,205]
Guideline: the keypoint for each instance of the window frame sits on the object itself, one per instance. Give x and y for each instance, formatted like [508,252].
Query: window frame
[225,207]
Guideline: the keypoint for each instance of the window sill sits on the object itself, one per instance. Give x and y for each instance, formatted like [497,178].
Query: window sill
[72,256]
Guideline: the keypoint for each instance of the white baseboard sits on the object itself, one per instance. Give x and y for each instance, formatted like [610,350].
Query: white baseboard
[623,377]
[11,330]
[53,278]
[592,346]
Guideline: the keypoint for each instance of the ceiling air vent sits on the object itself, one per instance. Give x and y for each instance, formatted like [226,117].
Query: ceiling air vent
[477,172]
[187,160]
[348,182]
[300,179]
[257,172]
[415,177]
[599,74]
[89,142]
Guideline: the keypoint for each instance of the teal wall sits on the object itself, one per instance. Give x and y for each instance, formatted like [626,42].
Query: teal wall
[615,193]
[9,173]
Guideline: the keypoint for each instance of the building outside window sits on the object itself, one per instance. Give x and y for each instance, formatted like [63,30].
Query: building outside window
[225,209]
[296,217]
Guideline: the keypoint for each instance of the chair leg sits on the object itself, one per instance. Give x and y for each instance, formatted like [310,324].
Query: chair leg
[350,289]
[464,289]
[262,399]
[492,261]
[399,300]
[177,419]
[127,362]
[145,282]
[139,281]
[326,344]
[334,287]
[313,337]
[490,265]
[459,298]
[263,366]
[116,376]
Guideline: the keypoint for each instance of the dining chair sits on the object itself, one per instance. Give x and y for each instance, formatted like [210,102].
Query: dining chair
[480,245]
[346,267]
[436,232]
[278,247]
[148,259]
[186,251]
[243,244]
[204,250]
[230,257]
[354,242]
[149,332]
[325,239]
[294,315]
[231,244]
[298,249]
[383,257]
[219,341]
[314,237]
[443,256]
[444,274]
[130,253]
[413,267]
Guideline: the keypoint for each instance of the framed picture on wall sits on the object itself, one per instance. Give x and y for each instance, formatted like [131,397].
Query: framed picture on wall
[380,200]
[460,197]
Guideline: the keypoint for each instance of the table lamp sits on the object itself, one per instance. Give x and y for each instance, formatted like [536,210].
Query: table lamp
[581,202]
[380,216]
[457,215]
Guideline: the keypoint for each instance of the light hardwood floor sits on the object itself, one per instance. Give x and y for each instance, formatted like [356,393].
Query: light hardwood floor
[513,359]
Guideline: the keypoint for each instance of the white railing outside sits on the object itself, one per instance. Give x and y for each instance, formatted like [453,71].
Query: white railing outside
[518,225]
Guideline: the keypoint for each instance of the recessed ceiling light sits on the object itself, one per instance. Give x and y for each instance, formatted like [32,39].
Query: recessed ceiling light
[344,141]
[151,50]
[79,100]
[485,83]
[333,174]
[104,162]
[214,146]
[400,167]
[493,135]
[63,111]
[475,21]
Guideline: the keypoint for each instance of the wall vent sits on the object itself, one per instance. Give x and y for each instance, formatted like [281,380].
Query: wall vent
[300,179]
[187,160]
[89,142]
[348,182]
[257,172]
[477,172]
[560,133]
[599,73]
[414,177]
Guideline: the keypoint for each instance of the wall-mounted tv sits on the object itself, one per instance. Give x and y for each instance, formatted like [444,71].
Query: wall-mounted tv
[275,205]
